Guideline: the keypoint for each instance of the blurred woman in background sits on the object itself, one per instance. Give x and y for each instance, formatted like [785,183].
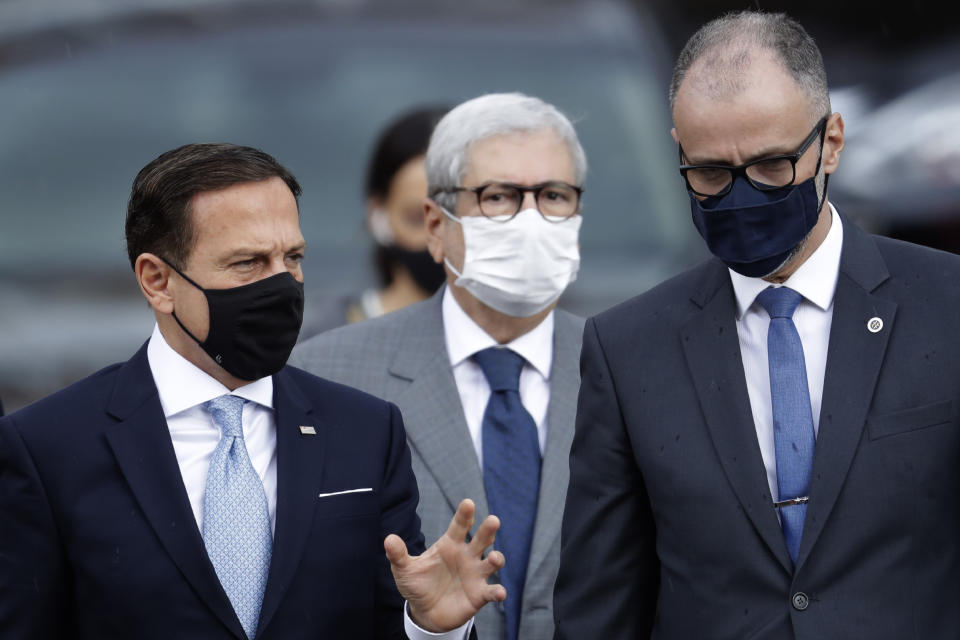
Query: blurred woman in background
[396,185]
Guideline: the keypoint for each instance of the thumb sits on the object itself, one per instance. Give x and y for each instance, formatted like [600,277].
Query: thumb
[396,551]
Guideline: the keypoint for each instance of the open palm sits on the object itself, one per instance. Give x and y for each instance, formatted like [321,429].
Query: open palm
[447,584]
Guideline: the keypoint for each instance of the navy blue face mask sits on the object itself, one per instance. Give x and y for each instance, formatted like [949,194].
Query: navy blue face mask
[754,232]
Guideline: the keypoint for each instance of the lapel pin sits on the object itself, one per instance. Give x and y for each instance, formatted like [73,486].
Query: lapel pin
[874,325]
[307,431]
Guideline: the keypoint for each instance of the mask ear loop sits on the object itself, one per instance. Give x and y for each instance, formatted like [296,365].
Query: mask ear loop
[826,177]
[458,221]
[174,313]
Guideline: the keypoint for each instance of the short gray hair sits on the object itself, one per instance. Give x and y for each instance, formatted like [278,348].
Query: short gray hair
[491,115]
[729,41]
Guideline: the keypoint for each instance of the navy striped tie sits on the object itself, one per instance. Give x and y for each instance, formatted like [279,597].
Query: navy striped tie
[511,472]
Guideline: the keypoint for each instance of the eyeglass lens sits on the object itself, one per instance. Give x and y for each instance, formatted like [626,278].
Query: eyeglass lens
[766,174]
[553,199]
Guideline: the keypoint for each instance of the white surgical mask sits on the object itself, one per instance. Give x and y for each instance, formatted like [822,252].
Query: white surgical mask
[519,267]
[380,228]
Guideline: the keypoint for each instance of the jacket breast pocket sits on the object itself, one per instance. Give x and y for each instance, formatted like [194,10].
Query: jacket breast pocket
[348,505]
[908,420]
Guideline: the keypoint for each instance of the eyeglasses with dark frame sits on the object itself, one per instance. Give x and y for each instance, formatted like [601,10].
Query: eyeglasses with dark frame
[501,201]
[765,174]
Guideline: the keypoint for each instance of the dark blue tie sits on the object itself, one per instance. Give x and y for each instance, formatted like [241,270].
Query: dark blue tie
[792,417]
[511,472]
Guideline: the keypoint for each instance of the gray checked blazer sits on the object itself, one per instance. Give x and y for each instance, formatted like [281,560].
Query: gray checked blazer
[402,357]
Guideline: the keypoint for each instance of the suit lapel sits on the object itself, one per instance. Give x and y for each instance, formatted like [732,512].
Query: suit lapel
[561,414]
[712,350]
[432,412]
[854,359]
[299,474]
[144,451]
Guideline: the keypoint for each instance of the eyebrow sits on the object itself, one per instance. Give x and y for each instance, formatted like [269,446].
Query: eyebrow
[256,252]
[767,152]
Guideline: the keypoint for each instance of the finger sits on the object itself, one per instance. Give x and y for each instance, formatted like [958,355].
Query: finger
[396,550]
[462,520]
[486,534]
[495,593]
[492,563]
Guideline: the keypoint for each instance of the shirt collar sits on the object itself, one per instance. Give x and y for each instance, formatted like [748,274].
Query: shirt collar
[815,279]
[464,337]
[182,385]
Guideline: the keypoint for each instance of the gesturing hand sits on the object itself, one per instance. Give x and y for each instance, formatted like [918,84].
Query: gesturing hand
[447,584]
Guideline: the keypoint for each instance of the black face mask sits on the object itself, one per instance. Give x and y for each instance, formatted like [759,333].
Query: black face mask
[425,272]
[254,327]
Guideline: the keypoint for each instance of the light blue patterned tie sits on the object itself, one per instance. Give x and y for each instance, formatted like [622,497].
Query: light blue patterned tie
[236,522]
[511,473]
[792,417]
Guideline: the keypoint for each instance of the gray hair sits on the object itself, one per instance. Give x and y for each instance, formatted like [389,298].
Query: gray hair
[491,115]
[729,42]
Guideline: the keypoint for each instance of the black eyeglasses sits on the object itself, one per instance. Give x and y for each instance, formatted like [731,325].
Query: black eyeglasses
[502,200]
[765,174]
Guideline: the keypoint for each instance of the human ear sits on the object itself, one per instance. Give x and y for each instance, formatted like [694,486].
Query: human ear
[153,276]
[434,222]
[832,143]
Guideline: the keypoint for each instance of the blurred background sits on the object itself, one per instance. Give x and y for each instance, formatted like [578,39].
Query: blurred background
[92,90]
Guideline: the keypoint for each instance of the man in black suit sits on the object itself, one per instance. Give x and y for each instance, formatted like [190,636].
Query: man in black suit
[203,489]
[767,445]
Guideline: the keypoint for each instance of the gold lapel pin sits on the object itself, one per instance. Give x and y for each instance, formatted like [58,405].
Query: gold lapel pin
[307,431]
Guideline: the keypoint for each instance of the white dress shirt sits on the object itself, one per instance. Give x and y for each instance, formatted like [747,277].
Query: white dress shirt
[816,281]
[183,388]
[464,337]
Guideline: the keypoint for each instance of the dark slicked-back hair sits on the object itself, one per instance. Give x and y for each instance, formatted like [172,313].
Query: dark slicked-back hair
[158,213]
[403,139]
[726,45]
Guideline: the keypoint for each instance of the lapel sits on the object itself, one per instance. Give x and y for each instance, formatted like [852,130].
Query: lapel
[854,359]
[561,415]
[144,451]
[300,466]
[712,350]
[432,412]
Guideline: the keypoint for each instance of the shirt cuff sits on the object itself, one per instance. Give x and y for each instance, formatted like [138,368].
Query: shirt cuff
[414,632]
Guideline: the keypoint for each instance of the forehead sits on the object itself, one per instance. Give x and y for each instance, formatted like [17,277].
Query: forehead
[523,157]
[762,108]
[261,215]
[410,180]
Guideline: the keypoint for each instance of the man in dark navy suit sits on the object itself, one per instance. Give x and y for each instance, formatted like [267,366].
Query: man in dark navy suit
[767,446]
[203,489]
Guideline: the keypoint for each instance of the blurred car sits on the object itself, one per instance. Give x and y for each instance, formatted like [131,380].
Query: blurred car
[900,170]
[91,96]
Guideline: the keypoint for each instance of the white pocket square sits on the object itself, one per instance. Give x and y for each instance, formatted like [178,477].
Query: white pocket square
[340,493]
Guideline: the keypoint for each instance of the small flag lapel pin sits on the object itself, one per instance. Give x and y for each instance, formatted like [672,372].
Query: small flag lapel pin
[307,431]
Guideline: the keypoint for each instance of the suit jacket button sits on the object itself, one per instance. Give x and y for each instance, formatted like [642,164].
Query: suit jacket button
[800,601]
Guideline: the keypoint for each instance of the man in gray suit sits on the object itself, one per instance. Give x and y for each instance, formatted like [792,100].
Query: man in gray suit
[486,371]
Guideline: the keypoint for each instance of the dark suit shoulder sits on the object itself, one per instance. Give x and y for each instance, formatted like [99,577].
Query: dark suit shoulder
[665,304]
[343,398]
[903,257]
[87,396]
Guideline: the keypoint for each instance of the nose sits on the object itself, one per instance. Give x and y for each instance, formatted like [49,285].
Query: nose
[529,201]
[279,264]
